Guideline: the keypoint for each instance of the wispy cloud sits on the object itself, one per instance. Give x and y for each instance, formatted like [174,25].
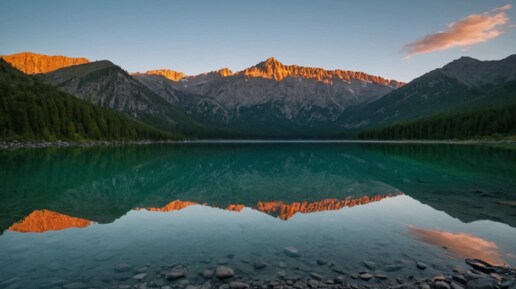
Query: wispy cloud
[474,29]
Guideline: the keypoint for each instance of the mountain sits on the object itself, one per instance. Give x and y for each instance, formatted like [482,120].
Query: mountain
[32,63]
[462,84]
[30,109]
[106,84]
[271,98]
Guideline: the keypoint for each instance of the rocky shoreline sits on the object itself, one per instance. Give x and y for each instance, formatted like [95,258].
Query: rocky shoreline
[477,274]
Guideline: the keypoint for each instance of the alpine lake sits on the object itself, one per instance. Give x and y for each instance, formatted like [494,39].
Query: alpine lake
[272,215]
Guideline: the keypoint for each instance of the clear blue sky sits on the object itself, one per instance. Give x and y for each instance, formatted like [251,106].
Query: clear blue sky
[199,36]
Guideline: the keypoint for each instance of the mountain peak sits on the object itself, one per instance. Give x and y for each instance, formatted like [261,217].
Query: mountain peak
[223,72]
[32,63]
[168,73]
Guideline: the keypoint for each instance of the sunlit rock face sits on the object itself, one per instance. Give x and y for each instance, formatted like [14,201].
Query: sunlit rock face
[45,220]
[272,68]
[32,63]
[168,73]
[173,206]
[460,245]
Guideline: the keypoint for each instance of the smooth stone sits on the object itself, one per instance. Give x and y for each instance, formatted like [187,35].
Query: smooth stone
[480,283]
[282,273]
[322,262]
[292,252]
[238,285]
[316,276]
[140,276]
[366,276]
[381,276]
[459,278]
[369,265]
[441,285]
[421,265]
[207,273]
[480,265]
[222,272]
[424,286]
[123,267]
[339,280]
[259,265]
[176,273]
[282,264]
[354,276]
[76,285]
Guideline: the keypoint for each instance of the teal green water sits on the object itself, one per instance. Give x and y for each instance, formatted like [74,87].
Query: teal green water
[405,203]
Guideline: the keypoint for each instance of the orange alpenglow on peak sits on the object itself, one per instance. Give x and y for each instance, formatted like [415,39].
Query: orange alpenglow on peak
[273,69]
[45,220]
[32,63]
[173,206]
[224,72]
[168,73]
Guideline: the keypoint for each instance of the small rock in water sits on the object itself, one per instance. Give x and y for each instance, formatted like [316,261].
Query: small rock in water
[316,276]
[140,276]
[206,285]
[282,273]
[424,286]
[459,278]
[441,285]
[238,285]
[224,272]
[354,276]
[480,283]
[321,261]
[282,264]
[207,273]
[365,276]
[339,279]
[292,252]
[480,265]
[421,265]
[176,273]
[123,267]
[380,276]
[369,265]
[259,265]
[394,267]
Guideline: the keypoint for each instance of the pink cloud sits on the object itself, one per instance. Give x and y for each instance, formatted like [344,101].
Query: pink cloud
[474,29]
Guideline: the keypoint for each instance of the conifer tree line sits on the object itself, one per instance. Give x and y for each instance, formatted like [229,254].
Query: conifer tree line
[500,121]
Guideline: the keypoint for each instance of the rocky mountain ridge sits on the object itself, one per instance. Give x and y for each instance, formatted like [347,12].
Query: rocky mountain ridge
[33,63]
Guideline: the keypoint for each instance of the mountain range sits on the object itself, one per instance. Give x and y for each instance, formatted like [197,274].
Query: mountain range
[271,99]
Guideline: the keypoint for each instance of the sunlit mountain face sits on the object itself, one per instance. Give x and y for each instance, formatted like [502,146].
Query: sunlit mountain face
[89,209]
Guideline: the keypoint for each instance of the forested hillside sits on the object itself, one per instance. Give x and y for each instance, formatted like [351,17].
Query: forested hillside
[499,121]
[30,110]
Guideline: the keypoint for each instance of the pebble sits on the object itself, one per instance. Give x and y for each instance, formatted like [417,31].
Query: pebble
[365,276]
[140,276]
[224,272]
[176,273]
[441,285]
[207,273]
[282,264]
[316,276]
[292,252]
[322,262]
[381,276]
[480,283]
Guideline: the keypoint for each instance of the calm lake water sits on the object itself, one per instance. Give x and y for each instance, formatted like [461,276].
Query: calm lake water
[73,214]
